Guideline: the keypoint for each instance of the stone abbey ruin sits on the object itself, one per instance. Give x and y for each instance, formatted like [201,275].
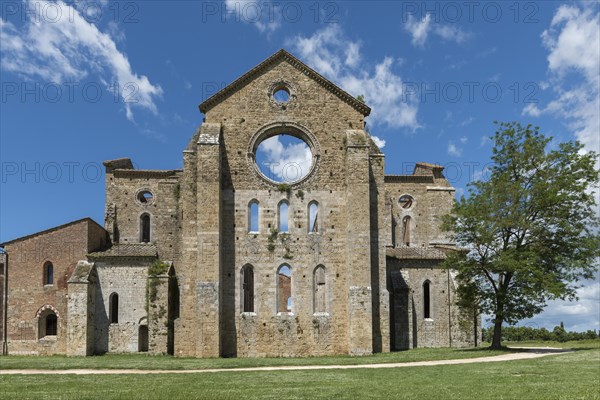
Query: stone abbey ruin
[226,258]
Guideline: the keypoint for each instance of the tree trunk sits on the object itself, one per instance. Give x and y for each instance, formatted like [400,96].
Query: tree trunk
[497,337]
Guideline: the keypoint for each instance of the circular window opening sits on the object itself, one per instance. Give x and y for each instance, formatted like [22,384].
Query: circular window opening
[281,95]
[284,158]
[145,196]
[406,201]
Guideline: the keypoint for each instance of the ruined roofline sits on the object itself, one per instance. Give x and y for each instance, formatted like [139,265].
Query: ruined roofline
[127,250]
[147,173]
[408,178]
[280,55]
[56,228]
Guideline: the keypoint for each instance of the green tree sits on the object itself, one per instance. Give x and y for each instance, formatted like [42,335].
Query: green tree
[531,228]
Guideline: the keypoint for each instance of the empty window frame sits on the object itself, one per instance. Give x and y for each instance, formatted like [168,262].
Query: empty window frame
[48,273]
[50,324]
[320,290]
[313,217]
[426,299]
[145,228]
[283,216]
[113,308]
[284,289]
[406,222]
[253,210]
[248,288]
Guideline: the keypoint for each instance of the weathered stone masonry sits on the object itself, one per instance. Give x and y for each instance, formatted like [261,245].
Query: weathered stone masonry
[178,270]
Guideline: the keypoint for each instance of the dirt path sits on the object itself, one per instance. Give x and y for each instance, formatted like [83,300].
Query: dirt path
[531,353]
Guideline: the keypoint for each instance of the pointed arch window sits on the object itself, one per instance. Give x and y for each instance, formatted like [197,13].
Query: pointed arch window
[113,308]
[406,222]
[320,290]
[145,228]
[248,288]
[313,217]
[426,300]
[284,289]
[283,215]
[253,216]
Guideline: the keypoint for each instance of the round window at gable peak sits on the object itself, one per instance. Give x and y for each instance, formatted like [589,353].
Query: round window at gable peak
[145,197]
[281,94]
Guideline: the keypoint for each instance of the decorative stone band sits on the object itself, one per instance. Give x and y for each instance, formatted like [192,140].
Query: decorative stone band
[47,307]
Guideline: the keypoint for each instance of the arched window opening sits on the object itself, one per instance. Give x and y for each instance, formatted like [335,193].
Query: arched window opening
[426,300]
[51,324]
[283,217]
[113,308]
[313,217]
[48,273]
[284,289]
[145,228]
[320,290]
[248,288]
[143,338]
[253,216]
[406,230]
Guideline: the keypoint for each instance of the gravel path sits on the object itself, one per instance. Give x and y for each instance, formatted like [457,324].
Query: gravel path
[533,352]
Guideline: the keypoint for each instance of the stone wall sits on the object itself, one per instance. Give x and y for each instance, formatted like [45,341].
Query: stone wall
[446,325]
[342,245]
[127,277]
[124,208]
[29,299]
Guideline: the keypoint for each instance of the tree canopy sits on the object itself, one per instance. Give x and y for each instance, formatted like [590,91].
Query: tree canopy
[531,228]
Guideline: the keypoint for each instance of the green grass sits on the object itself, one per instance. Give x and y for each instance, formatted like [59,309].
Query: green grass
[568,376]
[574,344]
[143,361]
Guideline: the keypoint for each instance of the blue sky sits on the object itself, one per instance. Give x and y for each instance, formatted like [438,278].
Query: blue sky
[83,82]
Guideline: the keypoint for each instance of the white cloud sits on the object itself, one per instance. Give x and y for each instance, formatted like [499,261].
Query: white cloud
[466,122]
[451,33]
[531,110]
[70,49]
[379,142]
[454,150]
[579,315]
[264,15]
[573,41]
[464,139]
[420,30]
[340,60]
[484,141]
[286,162]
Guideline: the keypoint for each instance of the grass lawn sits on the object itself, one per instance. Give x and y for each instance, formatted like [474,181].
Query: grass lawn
[143,361]
[568,376]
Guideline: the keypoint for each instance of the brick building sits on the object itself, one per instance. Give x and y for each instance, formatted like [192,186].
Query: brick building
[225,258]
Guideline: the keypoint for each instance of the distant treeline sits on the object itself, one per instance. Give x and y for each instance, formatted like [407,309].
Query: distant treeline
[522,333]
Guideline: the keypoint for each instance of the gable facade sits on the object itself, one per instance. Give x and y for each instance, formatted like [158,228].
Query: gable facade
[198,266]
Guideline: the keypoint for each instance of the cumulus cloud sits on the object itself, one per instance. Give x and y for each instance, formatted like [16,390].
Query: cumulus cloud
[70,48]
[420,30]
[284,160]
[454,150]
[580,315]
[573,42]
[379,142]
[264,15]
[340,60]
[531,110]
